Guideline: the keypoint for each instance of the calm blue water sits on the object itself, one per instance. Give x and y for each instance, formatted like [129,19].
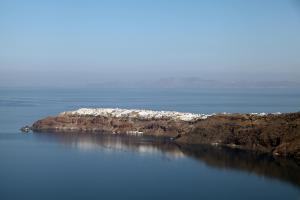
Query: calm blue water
[77,166]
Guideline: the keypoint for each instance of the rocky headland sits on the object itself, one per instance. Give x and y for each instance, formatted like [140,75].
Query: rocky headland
[276,133]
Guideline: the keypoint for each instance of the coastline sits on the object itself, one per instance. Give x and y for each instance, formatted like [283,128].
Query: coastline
[277,134]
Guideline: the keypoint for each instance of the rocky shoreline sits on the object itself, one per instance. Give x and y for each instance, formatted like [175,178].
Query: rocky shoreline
[278,134]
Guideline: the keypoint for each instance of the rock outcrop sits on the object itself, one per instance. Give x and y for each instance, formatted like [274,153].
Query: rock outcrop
[276,133]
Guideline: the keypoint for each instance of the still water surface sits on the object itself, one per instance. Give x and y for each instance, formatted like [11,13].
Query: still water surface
[91,166]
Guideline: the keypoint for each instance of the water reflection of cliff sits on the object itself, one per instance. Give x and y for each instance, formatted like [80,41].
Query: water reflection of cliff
[218,157]
[235,159]
[142,145]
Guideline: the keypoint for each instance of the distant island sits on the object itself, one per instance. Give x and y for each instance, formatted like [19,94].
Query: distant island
[275,133]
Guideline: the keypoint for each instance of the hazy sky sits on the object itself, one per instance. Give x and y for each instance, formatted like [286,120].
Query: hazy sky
[89,41]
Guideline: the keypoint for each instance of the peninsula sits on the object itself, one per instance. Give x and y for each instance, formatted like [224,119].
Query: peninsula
[275,133]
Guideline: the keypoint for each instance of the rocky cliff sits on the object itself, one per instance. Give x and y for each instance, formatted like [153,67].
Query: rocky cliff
[276,133]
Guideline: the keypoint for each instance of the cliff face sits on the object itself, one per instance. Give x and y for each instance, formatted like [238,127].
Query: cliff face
[279,134]
[275,133]
[114,125]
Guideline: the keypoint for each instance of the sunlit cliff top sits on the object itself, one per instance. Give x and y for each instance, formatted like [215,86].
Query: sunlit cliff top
[144,114]
[136,113]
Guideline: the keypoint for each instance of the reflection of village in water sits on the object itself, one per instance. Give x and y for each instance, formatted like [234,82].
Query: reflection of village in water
[109,143]
[142,145]
[213,156]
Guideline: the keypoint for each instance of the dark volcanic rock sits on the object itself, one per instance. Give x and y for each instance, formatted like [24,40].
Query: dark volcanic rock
[278,134]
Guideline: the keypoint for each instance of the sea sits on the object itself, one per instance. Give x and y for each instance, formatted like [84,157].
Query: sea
[74,166]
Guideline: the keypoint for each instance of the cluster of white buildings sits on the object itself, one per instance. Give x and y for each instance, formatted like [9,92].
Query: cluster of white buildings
[145,114]
[135,113]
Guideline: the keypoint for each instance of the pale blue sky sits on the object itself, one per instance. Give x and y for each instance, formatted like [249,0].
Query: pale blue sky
[87,41]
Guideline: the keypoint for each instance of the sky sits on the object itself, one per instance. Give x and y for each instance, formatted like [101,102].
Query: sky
[81,42]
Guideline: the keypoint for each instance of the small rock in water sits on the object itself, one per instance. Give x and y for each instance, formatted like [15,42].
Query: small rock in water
[25,129]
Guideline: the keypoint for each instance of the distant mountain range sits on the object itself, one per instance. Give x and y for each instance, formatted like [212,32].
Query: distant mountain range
[194,82]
